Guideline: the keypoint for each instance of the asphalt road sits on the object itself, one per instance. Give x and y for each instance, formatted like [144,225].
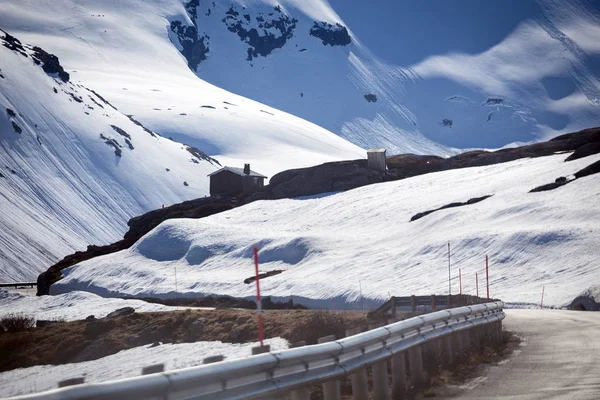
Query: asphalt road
[559,358]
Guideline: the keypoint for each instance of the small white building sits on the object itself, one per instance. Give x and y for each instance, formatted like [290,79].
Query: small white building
[376,159]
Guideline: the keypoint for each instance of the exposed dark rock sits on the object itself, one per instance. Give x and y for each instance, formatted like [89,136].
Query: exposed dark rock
[589,170]
[90,318]
[128,142]
[112,142]
[121,131]
[371,98]
[489,117]
[95,102]
[333,35]
[102,99]
[301,94]
[12,43]
[301,50]
[587,149]
[1,175]
[447,122]
[493,100]
[207,107]
[16,127]
[39,140]
[451,205]
[167,169]
[10,113]
[1,76]
[195,47]
[121,312]
[138,123]
[55,91]
[589,300]
[200,155]
[50,62]
[266,112]
[231,104]
[263,42]
[78,99]
[185,183]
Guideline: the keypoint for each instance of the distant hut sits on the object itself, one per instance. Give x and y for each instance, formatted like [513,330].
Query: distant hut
[376,159]
[231,181]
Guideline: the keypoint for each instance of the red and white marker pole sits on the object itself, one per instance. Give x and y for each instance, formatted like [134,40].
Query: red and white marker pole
[258,300]
[487,277]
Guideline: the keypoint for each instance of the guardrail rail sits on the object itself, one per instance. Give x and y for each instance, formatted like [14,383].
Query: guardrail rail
[401,346]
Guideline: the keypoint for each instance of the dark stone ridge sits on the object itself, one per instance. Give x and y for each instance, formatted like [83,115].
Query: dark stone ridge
[261,44]
[129,144]
[207,107]
[138,123]
[95,102]
[10,113]
[200,155]
[561,181]
[121,131]
[16,127]
[493,100]
[112,142]
[195,47]
[451,205]
[102,99]
[371,98]
[489,117]
[266,112]
[586,150]
[333,35]
[121,312]
[447,122]
[138,227]
[49,62]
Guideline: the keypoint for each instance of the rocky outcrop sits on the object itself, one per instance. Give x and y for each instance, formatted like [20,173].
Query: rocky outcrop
[451,205]
[371,98]
[591,169]
[332,35]
[263,35]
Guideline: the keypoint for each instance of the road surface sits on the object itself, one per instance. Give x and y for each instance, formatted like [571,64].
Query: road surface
[559,358]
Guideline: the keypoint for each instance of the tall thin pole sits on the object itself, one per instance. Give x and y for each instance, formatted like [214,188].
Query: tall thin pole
[258,300]
[487,277]
[449,276]
[542,302]
[476,284]
[460,281]
[361,298]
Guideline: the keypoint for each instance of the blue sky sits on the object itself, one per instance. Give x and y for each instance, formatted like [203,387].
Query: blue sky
[404,32]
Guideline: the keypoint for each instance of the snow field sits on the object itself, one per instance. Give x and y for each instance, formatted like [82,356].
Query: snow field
[330,246]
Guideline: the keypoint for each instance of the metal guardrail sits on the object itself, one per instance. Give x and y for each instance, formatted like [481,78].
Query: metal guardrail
[297,369]
[18,284]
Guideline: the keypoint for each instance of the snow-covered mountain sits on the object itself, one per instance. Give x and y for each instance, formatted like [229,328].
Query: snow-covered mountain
[78,160]
[233,80]
[330,247]
[300,56]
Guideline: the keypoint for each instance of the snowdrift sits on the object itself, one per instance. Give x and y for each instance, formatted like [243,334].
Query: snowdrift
[331,246]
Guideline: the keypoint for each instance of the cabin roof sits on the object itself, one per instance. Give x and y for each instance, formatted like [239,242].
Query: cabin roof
[238,171]
[376,151]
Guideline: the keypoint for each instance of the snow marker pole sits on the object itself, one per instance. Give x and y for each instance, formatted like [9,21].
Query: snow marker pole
[460,281]
[487,277]
[542,302]
[258,300]
[449,276]
[477,284]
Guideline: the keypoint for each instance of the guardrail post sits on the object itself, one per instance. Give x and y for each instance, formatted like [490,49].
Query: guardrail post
[449,359]
[393,306]
[331,389]
[398,376]
[360,385]
[380,381]
[415,362]
[153,369]
[302,393]
[413,303]
[261,349]
[433,302]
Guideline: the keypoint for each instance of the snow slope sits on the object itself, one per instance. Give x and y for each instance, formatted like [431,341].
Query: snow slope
[125,364]
[331,246]
[70,306]
[62,186]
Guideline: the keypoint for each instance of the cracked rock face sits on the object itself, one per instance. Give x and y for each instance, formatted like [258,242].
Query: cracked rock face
[332,35]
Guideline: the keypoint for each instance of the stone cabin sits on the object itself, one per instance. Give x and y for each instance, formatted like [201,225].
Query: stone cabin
[231,181]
